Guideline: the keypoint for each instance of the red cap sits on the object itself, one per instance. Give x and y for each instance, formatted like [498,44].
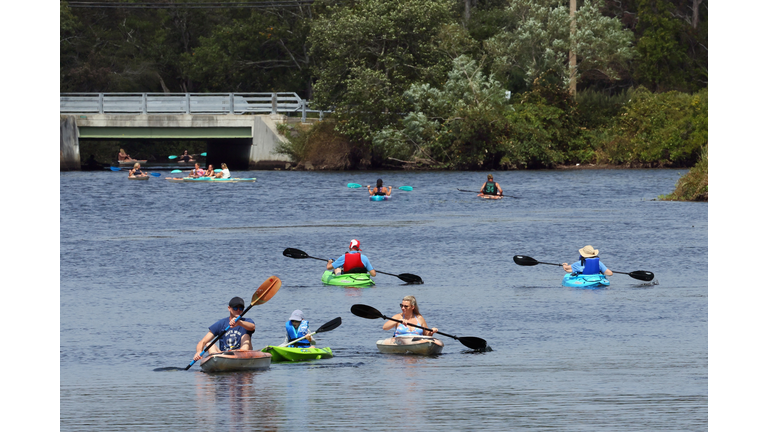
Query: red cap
[354,244]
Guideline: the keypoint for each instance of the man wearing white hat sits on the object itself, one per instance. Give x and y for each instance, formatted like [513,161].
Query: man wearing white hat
[352,261]
[588,263]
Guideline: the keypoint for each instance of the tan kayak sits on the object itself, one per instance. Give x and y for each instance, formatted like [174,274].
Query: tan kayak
[416,345]
[144,177]
[232,361]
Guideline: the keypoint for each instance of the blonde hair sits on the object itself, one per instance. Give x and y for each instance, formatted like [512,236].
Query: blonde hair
[122,151]
[136,165]
[412,300]
[223,165]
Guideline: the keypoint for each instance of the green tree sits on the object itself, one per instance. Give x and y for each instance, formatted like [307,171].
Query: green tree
[538,38]
[662,62]
[369,53]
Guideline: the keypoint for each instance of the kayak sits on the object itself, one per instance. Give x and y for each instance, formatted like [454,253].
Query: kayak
[347,279]
[144,177]
[218,180]
[585,281]
[208,180]
[380,198]
[132,161]
[232,361]
[297,354]
[417,345]
[493,197]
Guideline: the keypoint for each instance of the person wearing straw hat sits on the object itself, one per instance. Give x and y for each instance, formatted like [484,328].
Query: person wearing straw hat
[491,187]
[352,261]
[588,263]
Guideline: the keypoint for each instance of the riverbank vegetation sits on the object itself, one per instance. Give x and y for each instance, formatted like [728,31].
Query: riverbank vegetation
[432,84]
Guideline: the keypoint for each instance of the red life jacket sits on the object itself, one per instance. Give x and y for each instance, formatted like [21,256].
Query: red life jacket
[352,260]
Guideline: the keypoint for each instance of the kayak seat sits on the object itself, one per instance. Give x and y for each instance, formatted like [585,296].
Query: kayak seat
[357,270]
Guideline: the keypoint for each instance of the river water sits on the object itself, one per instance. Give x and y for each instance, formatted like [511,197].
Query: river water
[146,267]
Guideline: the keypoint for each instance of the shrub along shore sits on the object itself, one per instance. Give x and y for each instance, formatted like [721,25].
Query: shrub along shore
[545,128]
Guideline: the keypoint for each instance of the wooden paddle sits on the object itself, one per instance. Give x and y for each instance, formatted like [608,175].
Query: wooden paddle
[405,277]
[330,325]
[369,312]
[528,261]
[265,292]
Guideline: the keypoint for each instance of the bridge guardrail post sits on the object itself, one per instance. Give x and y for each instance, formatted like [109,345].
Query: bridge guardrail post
[143,103]
[188,101]
[274,103]
[303,111]
[231,103]
[101,103]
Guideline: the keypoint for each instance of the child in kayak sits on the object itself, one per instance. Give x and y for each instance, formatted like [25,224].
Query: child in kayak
[196,171]
[588,263]
[297,327]
[380,189]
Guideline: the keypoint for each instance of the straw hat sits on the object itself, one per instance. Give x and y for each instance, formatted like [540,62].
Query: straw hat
[588,251]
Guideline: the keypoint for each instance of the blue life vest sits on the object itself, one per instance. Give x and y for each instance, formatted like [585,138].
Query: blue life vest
[294,334]
[591,265]
[403,330]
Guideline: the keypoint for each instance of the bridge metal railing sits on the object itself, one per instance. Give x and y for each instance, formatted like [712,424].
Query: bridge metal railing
[184,103]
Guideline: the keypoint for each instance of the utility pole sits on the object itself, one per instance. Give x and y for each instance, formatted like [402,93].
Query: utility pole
[571,54]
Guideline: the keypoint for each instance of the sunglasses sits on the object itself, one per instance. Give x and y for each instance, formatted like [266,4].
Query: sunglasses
[236,307]
[402,306]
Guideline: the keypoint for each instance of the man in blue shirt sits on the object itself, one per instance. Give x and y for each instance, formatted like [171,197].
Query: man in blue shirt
[238,337]
[352,260]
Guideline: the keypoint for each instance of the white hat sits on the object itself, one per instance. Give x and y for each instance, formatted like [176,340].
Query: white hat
[588,251]
[297,315]
[354,244]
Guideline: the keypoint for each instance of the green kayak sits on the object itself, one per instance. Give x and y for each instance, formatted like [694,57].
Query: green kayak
[347,280]
[297,354]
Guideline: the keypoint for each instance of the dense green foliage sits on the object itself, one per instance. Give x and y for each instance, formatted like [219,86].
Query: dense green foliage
[427,82]
[694,185]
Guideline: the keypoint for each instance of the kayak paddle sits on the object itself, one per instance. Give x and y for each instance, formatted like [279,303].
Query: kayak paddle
[204,154]
[330,325]
[355,186]
[405,277]
[175,171]
[637,274]
[364,311]
[265,292]
[172,157]
[476,192]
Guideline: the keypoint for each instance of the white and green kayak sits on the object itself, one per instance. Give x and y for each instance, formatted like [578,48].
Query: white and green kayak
[297,354]
[347,279]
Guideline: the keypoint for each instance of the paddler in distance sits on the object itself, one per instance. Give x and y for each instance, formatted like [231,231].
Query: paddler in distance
[238,337]
[490,187]
[380,189]
[588,263]
[352,261]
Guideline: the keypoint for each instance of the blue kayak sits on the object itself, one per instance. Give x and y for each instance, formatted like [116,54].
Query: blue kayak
[585,281]
[380,198]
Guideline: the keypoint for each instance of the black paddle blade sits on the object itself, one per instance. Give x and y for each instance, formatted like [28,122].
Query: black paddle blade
[410,278]
[295,253]
[330,325]
[642,275]
[168,369]
[474,343]
[364,311]
[524,260]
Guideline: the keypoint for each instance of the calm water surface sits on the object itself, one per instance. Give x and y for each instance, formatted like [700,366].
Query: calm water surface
[146,267]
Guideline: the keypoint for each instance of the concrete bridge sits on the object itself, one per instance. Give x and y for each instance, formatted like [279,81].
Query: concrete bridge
[236,126]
